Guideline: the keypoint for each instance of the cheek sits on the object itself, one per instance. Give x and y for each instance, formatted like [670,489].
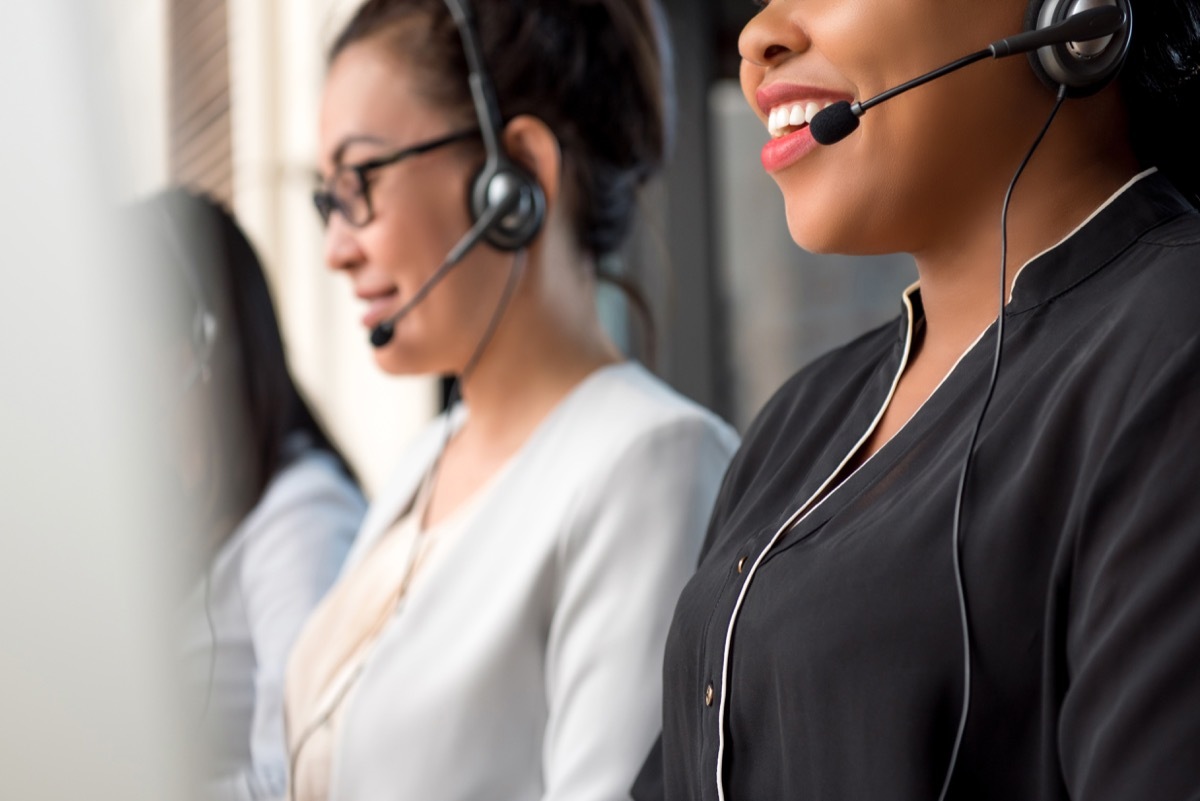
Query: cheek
[935,158]
[750,77]
[421,223]
[443,330]
[856,198]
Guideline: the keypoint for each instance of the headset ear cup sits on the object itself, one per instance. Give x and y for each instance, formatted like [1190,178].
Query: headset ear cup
[517,229]
[1035,60]
[1083,73]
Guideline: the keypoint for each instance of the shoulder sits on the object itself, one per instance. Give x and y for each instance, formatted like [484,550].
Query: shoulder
[311,494]
[301,529]
[642,400]
[1181,232]
[622,413]
[622,446]
[1150,311]
[635,467]
[1165,269]
[313,477]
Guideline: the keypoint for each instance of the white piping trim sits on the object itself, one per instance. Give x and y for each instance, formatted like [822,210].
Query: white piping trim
[796,517]
[1077,228]
[803,512]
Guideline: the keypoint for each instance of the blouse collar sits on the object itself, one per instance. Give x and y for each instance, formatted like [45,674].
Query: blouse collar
[1147,201]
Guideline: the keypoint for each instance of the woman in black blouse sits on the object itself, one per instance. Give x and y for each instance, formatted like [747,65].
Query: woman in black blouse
[819,651]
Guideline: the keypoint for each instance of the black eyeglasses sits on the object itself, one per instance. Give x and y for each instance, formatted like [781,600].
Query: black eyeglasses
[347,190]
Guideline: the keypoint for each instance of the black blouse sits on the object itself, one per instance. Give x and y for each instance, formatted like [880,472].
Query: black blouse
[817,653]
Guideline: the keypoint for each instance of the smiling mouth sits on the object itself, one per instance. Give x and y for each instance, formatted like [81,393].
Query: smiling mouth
[379,305]
[788,118]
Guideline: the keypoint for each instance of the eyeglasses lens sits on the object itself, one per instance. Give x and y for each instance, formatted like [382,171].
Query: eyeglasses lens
[344,194]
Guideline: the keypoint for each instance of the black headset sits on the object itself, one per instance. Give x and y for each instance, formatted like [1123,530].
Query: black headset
[500,178]
[505,202]
[1084,68]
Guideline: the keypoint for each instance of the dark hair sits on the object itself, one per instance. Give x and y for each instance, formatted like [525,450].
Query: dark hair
[592,70]
[1161,87]
[255,407]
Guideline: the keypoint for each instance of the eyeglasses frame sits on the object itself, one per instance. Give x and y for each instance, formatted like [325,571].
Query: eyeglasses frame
[327,202]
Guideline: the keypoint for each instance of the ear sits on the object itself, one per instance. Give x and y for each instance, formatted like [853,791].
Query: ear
[530,143]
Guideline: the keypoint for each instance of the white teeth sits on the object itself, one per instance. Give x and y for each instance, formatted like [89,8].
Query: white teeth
[793,115]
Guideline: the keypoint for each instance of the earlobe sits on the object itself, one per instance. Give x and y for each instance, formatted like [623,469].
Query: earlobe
[531,144]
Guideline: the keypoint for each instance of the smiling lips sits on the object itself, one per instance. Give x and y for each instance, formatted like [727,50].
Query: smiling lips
[789,109]
[379,306]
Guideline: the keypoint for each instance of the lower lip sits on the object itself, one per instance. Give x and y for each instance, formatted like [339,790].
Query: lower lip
[785,151]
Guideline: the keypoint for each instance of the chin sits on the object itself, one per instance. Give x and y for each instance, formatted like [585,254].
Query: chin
[817,219]
[407,358]
[852,226]
[395,359]
[819,232]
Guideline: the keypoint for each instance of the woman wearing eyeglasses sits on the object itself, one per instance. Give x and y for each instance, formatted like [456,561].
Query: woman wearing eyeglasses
[498,629]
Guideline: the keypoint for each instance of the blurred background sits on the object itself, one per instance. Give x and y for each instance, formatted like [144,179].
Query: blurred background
[107,102]
[222,95]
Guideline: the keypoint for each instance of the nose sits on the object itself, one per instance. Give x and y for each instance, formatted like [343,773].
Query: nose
[773,35]
[342,250]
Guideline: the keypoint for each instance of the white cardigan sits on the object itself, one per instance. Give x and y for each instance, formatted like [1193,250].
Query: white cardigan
[262,585]
[526,661]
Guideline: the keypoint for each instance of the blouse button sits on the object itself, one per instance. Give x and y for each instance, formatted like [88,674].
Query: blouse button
[708,695]
[741,564]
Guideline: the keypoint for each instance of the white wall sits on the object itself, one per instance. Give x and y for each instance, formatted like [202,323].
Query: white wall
[85,697]
[135,44]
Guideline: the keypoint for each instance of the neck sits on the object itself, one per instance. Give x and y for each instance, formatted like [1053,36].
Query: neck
[540,351]
[960,273]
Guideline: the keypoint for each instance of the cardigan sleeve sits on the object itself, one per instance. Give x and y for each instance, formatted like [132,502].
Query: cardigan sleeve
[299,536]
[1130,716]
[631,547]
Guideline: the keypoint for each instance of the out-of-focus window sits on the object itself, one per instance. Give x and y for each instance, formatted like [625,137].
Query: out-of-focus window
[200,146]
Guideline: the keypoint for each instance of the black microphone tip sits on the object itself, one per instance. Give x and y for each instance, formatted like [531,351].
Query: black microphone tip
[382,334]
[833,123]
